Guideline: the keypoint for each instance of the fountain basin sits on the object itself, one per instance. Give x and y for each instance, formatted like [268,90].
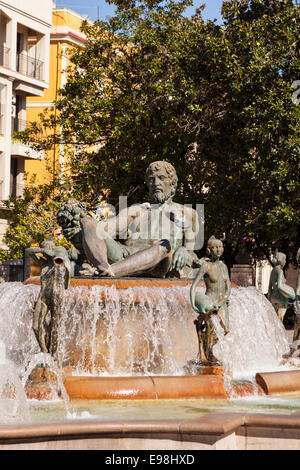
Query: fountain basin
[214,431]
[154,387]
[121,283]
[275,383]
[139,336]
[127,326]
[127,283]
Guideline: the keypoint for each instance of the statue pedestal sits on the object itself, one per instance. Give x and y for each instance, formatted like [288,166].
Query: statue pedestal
[195,367]
[42,383]
[129,327]
[243,275]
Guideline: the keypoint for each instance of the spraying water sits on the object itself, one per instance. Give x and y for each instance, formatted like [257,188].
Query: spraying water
[47,361]
[142,330]
[13,402]
[257,339]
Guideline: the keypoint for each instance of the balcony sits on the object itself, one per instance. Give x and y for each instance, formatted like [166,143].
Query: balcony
[30,66]
[18,148]
[4,57]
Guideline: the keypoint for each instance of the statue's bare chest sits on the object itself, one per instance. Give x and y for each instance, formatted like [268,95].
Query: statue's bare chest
[216,272]
[155,223]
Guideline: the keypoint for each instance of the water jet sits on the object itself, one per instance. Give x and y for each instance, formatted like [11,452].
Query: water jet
[127,344]
[142,375]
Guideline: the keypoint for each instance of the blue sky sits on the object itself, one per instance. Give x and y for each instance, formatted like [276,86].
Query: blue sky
[90,8]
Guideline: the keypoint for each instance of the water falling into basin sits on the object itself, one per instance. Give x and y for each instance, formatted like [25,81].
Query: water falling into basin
[13,402]
[46,361]
[142,330]
[257,340]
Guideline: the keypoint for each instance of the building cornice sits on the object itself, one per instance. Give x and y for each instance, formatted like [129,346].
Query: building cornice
[24,13]
[73,13]
[67,33]
[40,104]
[67,37]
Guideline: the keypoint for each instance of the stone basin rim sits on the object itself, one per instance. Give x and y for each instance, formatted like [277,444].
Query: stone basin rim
[124,282]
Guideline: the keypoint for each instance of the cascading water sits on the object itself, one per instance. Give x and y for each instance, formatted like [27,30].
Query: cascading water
[47,361]
[16,307]
[103,330]
[137,331]
[257,340]
[13,402]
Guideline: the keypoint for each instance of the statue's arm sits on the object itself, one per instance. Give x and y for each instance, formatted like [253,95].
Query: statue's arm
[228,286]
[280,279]
[192,231]
[285,290]
[32,252]
[183,255]
[270,288]
[73,254]
[118,225]
[298,293]
[199,277]
[49,253]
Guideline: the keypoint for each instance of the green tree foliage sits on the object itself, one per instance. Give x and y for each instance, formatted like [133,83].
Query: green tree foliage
[32,219]
[253,140]
[214,100]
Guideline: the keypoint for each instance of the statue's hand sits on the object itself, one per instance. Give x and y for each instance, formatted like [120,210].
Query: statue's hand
[88,270]
[70,232]
[68,217]
[181,258]
[196,308]
[73,254]
[216,307]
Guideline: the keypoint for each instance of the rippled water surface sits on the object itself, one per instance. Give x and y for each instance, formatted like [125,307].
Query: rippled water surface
[158,409]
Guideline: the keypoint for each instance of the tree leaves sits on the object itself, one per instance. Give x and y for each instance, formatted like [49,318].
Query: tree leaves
[215,101]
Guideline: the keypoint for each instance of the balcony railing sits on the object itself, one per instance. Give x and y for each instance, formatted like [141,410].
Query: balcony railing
[4,56]
[30,66]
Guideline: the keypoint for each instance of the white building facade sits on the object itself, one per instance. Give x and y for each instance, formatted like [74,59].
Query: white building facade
[24,71]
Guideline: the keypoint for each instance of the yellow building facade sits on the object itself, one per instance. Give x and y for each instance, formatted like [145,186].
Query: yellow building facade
[65,34]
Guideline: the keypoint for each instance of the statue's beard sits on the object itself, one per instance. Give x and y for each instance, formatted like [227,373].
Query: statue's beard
[159,197]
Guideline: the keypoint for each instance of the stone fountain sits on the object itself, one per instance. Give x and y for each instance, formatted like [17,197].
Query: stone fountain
[132,313]
[144,305]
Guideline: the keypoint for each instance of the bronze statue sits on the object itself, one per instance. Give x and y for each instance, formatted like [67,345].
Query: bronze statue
[295,348]
[279,292]
[55,277]
[215,301]
[149,239]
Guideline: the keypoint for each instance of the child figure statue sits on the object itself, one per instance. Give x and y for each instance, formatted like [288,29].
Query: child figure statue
[279,292]
[215,301]
[54,278]
[295,348]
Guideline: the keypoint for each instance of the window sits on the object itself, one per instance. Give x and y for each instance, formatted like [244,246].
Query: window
[17,123]
[2,106]
[13,176]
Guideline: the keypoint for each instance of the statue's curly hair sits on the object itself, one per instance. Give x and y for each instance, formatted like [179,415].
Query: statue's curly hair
[171,172]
